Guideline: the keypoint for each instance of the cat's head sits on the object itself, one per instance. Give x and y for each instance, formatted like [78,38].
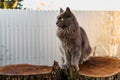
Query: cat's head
[65,18]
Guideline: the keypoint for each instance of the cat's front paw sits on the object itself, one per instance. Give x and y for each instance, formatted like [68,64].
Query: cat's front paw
[77,67]
[81,62]
[65,66]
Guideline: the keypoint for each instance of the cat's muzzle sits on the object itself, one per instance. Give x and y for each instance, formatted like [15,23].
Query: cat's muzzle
[61,26]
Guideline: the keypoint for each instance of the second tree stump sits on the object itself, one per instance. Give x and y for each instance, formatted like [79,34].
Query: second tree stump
[100,68]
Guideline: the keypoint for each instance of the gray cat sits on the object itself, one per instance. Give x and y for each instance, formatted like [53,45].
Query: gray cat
[75,46]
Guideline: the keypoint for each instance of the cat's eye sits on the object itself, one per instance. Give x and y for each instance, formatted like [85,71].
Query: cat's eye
[61,19]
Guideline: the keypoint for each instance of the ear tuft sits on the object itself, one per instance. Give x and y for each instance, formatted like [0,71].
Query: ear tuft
[68,10]
[61,10]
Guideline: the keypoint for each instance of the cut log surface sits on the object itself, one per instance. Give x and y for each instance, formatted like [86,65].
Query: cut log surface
[24,69]
[100,67]
[30,72]
[96,68]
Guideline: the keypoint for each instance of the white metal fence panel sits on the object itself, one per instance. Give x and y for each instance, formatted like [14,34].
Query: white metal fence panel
[30,36]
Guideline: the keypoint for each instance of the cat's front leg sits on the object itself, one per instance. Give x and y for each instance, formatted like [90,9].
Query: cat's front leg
[75,57]
[67,61]
[62,55]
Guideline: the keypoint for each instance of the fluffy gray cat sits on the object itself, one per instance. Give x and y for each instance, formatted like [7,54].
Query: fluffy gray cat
[75,46]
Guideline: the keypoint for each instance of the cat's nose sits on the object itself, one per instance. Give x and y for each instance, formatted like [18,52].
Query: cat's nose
[56,22]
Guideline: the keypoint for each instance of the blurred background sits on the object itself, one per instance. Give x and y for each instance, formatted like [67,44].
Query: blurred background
[39,4]
[28,30]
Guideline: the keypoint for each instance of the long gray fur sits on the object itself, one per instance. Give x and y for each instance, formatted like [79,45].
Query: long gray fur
[75,46]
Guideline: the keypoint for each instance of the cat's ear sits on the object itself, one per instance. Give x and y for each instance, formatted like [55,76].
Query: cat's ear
[68,10]
[61,10]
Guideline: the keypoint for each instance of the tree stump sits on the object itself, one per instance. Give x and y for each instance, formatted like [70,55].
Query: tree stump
[30,72]
[99,68]
[96,68]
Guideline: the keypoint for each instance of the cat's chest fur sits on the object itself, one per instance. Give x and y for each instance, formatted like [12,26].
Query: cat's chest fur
[65,35]
[68,38]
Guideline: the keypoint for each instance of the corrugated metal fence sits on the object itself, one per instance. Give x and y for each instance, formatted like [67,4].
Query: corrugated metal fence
[30,36]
